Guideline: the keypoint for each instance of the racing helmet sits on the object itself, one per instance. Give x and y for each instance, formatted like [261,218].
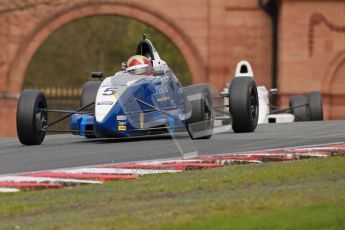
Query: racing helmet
[139,65]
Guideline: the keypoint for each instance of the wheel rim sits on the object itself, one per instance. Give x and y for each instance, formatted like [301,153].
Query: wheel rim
[208,115]
[253,105]
[207,112]
[41,117]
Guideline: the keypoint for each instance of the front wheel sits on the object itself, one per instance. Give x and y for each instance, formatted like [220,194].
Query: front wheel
[315,106]
[32,116]
[298,106]
[200,123]
[243,104]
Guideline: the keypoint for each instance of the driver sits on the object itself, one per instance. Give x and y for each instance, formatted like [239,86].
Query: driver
[139,65]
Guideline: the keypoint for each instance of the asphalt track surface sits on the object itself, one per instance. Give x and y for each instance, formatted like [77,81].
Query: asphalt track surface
[61,151]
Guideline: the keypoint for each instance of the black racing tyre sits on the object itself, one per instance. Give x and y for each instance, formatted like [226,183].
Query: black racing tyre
[200,123]
[88,95]
[299,108]
[315,106]
[32,117]
[243,104]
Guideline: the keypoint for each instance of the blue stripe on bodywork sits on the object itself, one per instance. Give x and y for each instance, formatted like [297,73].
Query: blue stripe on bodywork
[83,124]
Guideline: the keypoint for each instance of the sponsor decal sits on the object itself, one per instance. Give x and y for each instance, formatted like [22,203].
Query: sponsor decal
[121,117]
[121,128]
[105,103]
[141,120]
[163,99]
[161,89]
[122,123]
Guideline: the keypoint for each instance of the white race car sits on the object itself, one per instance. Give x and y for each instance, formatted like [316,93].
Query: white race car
[301,107]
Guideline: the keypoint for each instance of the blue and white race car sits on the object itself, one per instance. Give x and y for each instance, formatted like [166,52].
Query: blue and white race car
[144,98]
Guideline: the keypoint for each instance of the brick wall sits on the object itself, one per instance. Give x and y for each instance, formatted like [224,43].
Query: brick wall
[212,35]
[312,52]
[204,30]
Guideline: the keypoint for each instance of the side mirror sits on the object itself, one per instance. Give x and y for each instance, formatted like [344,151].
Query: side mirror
[98,75]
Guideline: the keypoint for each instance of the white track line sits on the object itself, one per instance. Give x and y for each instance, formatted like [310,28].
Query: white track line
[317,148]
[6,190]
[204,159]
[46,179]
[119,171]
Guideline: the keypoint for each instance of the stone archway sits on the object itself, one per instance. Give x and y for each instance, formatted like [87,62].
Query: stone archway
[333,88]
[28,47]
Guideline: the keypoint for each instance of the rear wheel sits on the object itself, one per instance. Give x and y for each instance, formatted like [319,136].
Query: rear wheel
[243,104]
[299,108]
[315,106]
[32,117]
[88,96]
[200,123]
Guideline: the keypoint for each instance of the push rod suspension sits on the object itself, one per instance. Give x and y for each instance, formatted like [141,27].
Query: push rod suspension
[68,115]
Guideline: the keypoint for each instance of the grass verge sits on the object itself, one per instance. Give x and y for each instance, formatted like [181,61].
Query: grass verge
[308,194]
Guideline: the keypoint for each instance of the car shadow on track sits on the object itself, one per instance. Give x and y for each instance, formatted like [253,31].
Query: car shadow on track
[134,139]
